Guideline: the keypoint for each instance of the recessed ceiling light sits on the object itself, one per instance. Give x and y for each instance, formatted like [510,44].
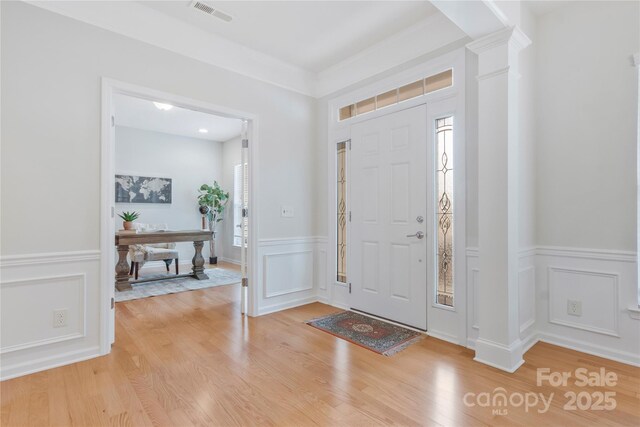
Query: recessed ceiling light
[163,107]
[203,130]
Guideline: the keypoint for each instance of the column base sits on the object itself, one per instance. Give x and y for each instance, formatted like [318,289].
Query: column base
[499,356]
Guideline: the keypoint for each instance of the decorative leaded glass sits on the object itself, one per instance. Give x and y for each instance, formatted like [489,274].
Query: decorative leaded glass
[444,164]
[342,212]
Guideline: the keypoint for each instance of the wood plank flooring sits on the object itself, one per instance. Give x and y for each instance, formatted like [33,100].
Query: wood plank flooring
[190,359]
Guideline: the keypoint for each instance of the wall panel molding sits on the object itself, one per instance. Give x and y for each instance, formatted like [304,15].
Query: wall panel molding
[79,331]
[291,260]
[7,261]
[65,281]
[587,253]
[587,325]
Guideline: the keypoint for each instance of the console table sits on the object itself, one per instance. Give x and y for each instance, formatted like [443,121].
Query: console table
[124,239]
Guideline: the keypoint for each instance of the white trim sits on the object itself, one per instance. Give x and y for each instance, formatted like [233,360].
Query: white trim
[529,341]
[266,257]
[511,35]
[48,258]
[49,362]
[434,32]
[581,253]
[587,253]
[616,309]
[39,343]
[230,260]
[453,99]
[61,338]
[442,336]
[636,62]
[506,358]
[453,59]
[158,29]
[109,87]
[292,241]
[286,305]
[589,348]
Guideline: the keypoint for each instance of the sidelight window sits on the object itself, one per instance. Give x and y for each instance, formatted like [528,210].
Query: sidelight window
[444,206]
[342,212]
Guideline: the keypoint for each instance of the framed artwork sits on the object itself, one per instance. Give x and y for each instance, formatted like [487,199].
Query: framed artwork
[142,189]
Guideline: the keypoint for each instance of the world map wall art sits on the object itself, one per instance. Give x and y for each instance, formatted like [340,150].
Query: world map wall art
[142,189]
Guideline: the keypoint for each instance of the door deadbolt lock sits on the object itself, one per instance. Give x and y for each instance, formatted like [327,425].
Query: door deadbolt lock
[418,234]
[420,219]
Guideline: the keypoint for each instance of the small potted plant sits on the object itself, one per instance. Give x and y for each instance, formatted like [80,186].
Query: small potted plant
[128,218]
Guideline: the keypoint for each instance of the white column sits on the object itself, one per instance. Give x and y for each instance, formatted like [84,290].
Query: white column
[498,343]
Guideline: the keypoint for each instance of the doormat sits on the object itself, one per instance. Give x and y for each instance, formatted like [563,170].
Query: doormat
[373,334]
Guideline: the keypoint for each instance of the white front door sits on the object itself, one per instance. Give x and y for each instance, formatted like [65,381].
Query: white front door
[388,250]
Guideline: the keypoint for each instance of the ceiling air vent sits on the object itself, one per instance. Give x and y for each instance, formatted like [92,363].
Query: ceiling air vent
[210,10]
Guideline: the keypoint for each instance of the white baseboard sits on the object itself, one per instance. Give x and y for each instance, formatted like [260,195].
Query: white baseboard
[443,336]
[286,305]
[499,356]
[530,341]
[592,349]
[230,260]
[50,362]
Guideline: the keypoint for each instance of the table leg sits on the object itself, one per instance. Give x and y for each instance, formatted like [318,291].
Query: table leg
[122,269]
[198,262]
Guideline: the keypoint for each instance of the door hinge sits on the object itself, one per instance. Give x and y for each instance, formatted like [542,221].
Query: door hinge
[245,143]
[349,216]
[349,287]
[245,282]
[245,212]
[349,144]
[113,121]
[113,303]
[113,212]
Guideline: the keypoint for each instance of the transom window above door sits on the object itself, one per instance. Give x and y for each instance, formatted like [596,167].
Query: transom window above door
[409,91]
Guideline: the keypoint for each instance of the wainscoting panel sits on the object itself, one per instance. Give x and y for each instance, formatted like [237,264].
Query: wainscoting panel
[526,295]
[597,294]
[36,324]
[289,272]
[605,284]
[35,286]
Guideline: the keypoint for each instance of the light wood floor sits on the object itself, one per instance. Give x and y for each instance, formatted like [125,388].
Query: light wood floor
[190,359]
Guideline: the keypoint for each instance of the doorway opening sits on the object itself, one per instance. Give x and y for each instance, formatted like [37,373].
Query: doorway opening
[182,170]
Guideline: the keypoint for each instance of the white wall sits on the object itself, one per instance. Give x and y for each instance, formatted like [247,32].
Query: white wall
[585,176]
[231,156]
[586,103]
[51,108]
[189,162]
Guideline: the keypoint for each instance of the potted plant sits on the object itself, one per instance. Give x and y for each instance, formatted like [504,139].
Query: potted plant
[128,218]
[215,199]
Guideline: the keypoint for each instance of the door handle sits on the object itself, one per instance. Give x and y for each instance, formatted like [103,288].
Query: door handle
[418,234]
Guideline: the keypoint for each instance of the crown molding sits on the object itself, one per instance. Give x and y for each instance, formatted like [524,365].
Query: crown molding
[512,36]
[415,41]
[138,22]
[150,26]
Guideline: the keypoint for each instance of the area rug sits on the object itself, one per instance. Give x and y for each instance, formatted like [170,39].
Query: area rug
[217,277]
[373,334]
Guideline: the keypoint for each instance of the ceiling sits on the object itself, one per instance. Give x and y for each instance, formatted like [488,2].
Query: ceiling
[143,114]
[313,35]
